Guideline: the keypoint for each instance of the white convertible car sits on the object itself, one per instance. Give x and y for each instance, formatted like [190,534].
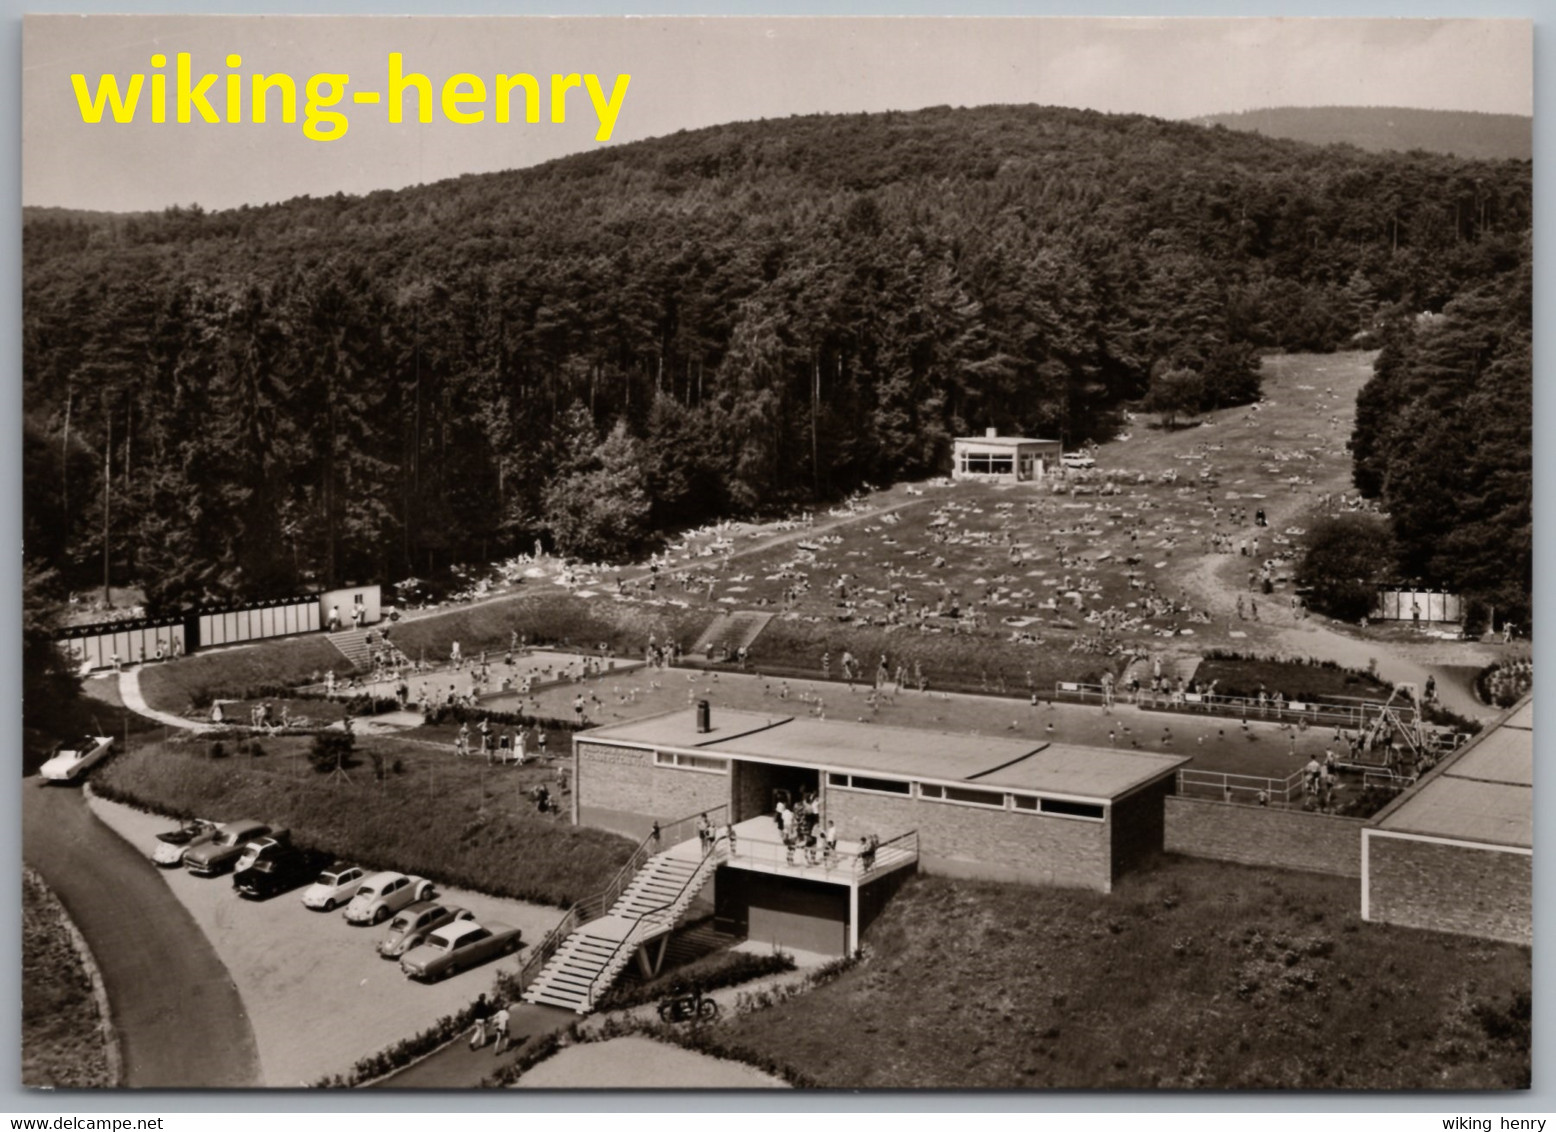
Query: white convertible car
[71,761]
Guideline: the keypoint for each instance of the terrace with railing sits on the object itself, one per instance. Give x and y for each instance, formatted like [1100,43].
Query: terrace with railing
[579,959]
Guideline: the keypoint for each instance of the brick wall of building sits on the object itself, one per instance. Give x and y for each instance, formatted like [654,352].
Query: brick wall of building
[1137,826]
[625,780]
[1256,835]
[970,841]
[1450,888]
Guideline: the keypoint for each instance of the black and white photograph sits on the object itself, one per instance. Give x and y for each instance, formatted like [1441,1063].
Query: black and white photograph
[777,553]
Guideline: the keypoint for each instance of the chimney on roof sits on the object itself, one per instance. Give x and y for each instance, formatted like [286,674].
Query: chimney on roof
[704,724]
[991,433]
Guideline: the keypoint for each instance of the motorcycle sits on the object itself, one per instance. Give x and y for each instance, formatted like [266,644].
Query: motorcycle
[688,1007]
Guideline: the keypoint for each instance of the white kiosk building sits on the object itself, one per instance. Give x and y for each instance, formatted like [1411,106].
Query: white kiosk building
[1003,459]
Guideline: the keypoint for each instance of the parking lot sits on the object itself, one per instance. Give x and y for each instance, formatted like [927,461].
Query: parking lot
[317,993]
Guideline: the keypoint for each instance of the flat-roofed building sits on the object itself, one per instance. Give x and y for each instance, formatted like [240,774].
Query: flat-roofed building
[1010,459]
[1455,853]
[982,806]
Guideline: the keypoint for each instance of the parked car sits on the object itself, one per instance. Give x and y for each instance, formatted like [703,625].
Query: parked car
[276,870]
[335,886]
[71,760]
[413,925]
[272,843]
[384,894]
[222,852]
[172,846]
[1077,460]
[457,947]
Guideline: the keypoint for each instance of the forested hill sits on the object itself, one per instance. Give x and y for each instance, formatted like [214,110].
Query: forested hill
[654,334]
[1458,133]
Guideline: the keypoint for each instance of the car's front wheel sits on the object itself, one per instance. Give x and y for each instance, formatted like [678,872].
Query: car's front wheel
[381,915]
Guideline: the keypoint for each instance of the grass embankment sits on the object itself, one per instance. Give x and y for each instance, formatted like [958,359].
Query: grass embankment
[1193,975]
[63,1032]
[563,620]
[950,662]
[1245,676]
[455,821]
[244,673]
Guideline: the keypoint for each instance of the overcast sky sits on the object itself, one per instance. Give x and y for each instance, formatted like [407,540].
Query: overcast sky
[688,73]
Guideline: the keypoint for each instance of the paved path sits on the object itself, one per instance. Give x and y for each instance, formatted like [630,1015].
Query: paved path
[457,1066]
[1215,578]
[1317,639]
[642,1063]
[179,1019]
[129,692]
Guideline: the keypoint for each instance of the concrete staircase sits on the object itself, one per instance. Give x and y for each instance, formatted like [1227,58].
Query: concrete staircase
[730,631]
[352,644]
[588,961]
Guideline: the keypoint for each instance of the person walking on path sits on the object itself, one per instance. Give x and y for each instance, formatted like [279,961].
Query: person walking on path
[480,1014]
[500,1023]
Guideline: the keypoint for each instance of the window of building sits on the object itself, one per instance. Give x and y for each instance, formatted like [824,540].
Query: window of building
[987,463]
[1058,807]
[703,763]
[1072,809]
[963,795]
[875,785]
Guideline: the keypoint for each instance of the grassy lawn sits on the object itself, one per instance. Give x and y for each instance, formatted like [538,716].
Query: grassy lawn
[1193,975]
[455,821]
[1040,569]
[62,1034]
[242,672]
[549,617]
[1244,677]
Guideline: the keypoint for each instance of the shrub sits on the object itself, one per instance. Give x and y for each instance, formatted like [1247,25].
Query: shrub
[331,751]
[458,713]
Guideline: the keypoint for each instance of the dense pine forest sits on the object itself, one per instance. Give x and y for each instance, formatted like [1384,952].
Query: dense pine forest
[614,345]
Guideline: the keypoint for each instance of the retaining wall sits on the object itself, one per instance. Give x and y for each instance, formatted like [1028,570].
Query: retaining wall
[1258,835]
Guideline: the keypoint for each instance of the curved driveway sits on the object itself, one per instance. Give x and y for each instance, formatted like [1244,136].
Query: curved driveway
[179,1019]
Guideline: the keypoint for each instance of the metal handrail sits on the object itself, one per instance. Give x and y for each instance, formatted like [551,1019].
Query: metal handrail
[698,877]
[587,908]
[1318,709]
[843,860]
[1280,789]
